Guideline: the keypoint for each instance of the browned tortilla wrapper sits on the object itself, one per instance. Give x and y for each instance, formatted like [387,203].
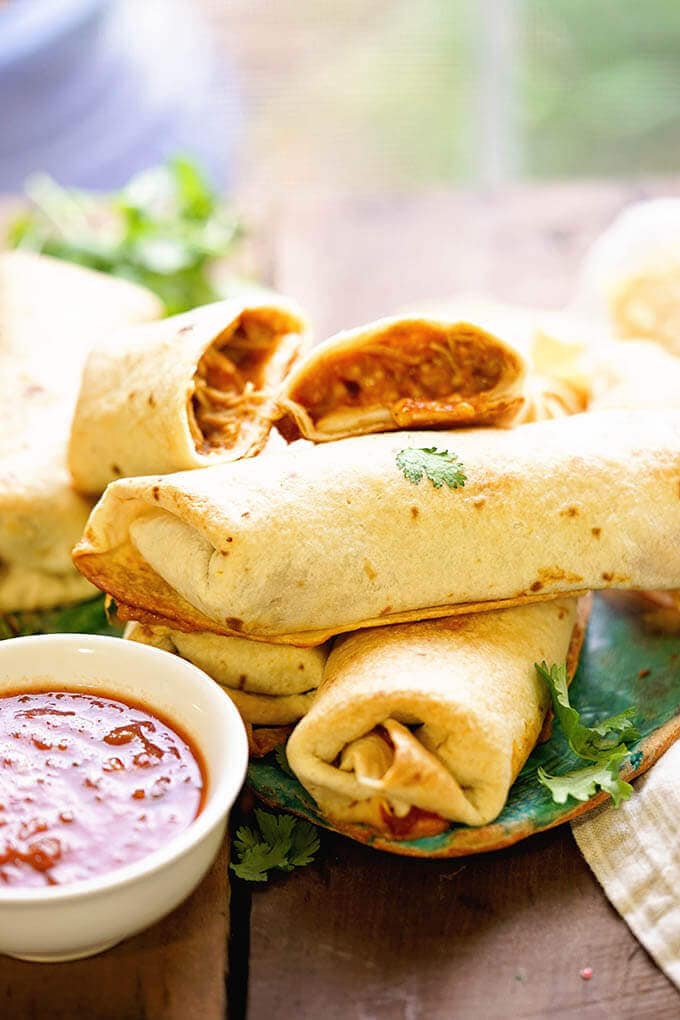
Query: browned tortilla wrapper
[324,539]
[50,314]
[192,390]
[405,372]
[431,721]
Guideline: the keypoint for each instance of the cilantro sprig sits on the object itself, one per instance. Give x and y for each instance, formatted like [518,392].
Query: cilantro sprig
[603,745]
[163,230]
[582,784]
[279,843]
[439,466]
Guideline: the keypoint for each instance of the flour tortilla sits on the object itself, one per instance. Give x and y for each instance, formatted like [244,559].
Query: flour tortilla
[409,371]
[192,390]
[630,278]
[324,539]
[50,314]
[428,723]
[271,685]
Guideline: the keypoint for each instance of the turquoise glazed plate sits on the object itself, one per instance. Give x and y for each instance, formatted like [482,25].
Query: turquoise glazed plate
[623,662]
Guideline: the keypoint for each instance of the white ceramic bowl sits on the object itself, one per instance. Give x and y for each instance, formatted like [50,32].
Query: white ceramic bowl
[71,921]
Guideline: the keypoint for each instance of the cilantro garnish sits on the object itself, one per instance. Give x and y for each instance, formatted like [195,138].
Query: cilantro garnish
[280,842]
[162,230]
[604,745]
[440,466]
[581,784]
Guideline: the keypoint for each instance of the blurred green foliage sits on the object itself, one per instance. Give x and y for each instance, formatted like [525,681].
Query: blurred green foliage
[164,230]
[599,86]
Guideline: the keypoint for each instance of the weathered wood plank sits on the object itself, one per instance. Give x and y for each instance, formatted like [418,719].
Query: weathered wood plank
[361,934]
[173,971]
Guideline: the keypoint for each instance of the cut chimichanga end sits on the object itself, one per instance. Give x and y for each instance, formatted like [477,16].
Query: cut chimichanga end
[405,372]
[422,724]
[271,685]
[50,312]
[631,276]
[183,393]
[322,539]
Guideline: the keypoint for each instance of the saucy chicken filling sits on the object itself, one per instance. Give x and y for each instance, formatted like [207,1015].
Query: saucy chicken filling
[408,369]
[232,382]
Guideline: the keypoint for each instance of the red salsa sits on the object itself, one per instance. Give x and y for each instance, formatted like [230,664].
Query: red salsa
[88,783]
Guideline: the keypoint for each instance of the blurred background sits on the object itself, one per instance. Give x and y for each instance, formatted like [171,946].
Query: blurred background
[370,96]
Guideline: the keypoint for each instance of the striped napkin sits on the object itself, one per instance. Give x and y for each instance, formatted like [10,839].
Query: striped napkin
[634,852]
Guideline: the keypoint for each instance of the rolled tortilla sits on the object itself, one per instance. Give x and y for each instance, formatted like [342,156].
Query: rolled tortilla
[183,393]
[319,540]
[630,279]
[403,372]
[427,723]
[50,313]
[271,685]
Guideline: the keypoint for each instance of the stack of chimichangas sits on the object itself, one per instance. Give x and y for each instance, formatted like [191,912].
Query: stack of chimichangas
[381,580]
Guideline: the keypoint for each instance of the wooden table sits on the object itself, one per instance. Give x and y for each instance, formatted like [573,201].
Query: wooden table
[361,935]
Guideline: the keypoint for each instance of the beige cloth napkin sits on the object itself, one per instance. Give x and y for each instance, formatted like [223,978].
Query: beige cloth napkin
[634,852]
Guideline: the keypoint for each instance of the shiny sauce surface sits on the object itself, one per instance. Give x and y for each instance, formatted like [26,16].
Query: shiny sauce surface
[88,783]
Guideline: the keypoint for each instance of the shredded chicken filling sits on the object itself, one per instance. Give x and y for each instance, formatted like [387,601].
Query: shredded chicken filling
[229,387]
[411,369]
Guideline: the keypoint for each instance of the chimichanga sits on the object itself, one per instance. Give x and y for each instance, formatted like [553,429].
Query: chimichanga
[422,724]
[630,279]
[323,539]
[50,314]
[192,390]
[429,370]
[403,372]
[271,685]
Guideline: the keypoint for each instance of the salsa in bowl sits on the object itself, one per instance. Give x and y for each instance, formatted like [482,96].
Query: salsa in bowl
[118,767]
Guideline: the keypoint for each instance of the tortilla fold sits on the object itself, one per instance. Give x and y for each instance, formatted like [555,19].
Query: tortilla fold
[323,539]
[423,724]
[183,393]
[403,372]
[271,685]
[50,314]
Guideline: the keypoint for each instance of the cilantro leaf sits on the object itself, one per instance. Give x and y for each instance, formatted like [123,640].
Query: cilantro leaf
[280,842]
[581,784]
[257,860]
[303,845]
[163,230]
[591,742]
[440,466]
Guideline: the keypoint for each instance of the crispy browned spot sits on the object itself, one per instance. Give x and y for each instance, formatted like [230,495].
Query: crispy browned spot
[234,623]
[478,502]
[369,571]
[156,493]
[570,511]
[151,400]
[553,574]
[606,576]
[536,586]
[596,532]
[414,512]
[116,470]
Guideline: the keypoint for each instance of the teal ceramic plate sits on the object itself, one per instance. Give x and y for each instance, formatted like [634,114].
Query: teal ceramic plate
[622,663]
